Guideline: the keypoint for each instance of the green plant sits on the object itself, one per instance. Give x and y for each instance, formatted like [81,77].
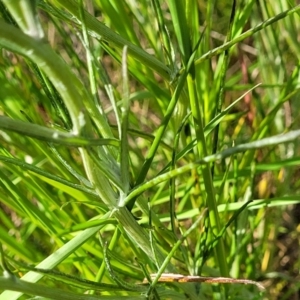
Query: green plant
[182,168]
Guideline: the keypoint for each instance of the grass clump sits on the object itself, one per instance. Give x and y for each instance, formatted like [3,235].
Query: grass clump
[143,139]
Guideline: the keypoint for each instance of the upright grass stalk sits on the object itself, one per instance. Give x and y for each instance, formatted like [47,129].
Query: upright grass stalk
[181,28]
[221,94]
[124,128]
[164,35]
[207,178]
